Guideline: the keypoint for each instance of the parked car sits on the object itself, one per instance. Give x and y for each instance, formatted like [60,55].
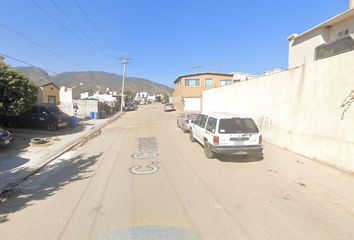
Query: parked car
[40,115]
[184,121]
[129,107]
[164,101]
[169,107]
[6,137]
[225,133]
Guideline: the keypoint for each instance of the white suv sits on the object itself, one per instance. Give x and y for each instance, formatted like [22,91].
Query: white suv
[225,133]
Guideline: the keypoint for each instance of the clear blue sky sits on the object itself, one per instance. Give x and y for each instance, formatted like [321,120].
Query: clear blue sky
[163,38]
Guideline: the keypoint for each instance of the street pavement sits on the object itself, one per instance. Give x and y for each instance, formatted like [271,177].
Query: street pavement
[22,158]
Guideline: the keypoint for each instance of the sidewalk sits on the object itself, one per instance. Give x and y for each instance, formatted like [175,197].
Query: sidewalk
[21,159]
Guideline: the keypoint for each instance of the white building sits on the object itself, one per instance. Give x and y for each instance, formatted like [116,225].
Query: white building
[332,37]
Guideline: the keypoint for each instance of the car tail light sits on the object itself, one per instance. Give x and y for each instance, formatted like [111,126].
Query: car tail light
[187,121]
[260,139]
[216,140]
[59,120]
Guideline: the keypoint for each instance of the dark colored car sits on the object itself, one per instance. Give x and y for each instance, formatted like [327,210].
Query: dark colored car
[40,115]
[129,107]
[6,137]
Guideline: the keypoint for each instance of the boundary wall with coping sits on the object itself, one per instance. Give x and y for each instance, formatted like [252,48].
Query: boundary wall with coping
[298,109]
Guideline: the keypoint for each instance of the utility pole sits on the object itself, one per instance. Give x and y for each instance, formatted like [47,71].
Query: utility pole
[124,63]
[195,68]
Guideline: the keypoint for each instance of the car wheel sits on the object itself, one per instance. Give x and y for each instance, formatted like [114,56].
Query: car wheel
[12,124]
[207,150]
[191,138]
[51,126]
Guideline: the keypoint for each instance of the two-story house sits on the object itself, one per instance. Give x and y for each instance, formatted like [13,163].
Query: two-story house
[188,88]
[332,37]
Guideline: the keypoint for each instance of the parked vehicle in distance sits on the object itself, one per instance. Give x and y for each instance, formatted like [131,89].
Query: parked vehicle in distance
[169,107]
[40,115]
[164,101]
[184,121]
[129,107]
[6,137]
[226,133]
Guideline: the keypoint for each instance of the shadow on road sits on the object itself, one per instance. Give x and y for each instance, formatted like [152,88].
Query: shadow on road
[45,183]
[239,158]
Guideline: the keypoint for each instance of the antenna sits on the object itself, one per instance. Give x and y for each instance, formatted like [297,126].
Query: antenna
[220,61]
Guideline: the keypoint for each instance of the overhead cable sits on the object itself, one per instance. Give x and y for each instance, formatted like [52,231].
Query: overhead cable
[94,26]
[75,24]
[64,26]
[36,66]
[43,47]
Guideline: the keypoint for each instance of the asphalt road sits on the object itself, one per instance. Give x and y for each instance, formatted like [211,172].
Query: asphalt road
[143,179]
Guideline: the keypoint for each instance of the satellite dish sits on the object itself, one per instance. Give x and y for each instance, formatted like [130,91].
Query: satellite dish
[81,84]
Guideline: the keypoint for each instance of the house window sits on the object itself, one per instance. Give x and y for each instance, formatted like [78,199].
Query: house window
[208,83]
[192,82]
[342,45]
[342,33]
[224,82]
[52,99]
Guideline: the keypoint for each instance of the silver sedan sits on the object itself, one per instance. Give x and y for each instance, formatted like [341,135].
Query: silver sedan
[184,121]
[169,107]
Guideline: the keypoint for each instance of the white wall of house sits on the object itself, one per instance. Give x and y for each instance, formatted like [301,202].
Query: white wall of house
[298,109]
[302,47]
[303,50]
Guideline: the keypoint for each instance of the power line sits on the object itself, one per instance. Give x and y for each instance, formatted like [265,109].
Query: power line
[75,24]
[94,25]
[64,26]
[43,46]
[36,66]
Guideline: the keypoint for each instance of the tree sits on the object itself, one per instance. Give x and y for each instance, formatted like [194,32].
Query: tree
[17,93]
[347,102]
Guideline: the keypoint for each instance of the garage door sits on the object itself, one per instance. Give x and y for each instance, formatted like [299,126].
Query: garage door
[191,104]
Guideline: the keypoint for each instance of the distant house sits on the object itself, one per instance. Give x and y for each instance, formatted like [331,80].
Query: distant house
[87,94]
[332,37]
[69,94]
[49,93]
[188,88]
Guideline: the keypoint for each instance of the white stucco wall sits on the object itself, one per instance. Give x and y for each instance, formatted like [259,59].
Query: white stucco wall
[298,109]
[303,50]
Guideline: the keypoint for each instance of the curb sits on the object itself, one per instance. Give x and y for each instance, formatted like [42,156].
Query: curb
[79,143]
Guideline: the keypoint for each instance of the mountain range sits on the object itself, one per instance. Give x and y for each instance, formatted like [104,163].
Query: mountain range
[95,80]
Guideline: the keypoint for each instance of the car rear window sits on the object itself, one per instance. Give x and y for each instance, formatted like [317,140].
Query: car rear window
[192,116]
[237,125]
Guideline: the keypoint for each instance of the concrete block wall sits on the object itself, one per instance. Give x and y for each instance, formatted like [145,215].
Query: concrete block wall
[298,109]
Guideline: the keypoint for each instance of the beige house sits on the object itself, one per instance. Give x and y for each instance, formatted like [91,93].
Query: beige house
[188,88]
[330,38]
[49,93]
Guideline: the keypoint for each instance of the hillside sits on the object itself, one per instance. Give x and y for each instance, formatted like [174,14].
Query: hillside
[95,80]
